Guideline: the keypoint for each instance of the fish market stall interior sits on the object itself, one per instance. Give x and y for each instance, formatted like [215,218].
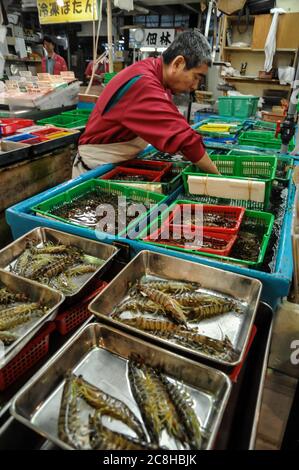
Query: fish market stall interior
[149,226]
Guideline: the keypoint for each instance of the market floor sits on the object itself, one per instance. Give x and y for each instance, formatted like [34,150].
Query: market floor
[278,394]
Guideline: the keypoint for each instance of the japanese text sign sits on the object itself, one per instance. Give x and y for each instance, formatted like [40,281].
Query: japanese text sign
[72,11]
[158,37]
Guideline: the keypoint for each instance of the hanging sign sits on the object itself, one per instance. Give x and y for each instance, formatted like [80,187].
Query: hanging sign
[66,11]
[157,37]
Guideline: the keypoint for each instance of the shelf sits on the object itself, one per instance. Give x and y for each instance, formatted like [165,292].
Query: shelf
[249,49]
[250,79]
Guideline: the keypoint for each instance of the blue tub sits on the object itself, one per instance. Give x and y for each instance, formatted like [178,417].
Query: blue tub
[22,220]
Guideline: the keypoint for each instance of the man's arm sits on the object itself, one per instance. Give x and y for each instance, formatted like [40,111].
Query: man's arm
[206,165]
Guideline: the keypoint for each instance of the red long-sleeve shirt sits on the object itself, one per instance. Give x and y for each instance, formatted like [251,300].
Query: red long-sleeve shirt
[145,110]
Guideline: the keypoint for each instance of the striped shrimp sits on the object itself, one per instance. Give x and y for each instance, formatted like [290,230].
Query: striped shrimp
[185,408]
[49,248]
[12,317]
[142,390]
[102,438]
[7,297]
[7,337]
[147,324]
[176,287]
[171,307]
[140,304]
[68,420]
[52,269]
[196,341]
[211,309]
[110,406]
[81,269]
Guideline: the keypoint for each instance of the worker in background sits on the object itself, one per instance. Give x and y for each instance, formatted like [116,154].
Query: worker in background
[52,63]
[136,108]
[99,73]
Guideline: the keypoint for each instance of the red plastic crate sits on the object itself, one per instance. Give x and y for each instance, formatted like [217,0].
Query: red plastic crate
[150,176]
[35,140]
[236,371]
[235,214]
[31,353]
[77,314]
[148,165]
[49,130]
[181,230]
[10,126]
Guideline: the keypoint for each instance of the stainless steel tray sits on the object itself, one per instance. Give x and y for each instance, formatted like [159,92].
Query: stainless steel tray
[236,326]
[100,354]
[36,293]
[40,235]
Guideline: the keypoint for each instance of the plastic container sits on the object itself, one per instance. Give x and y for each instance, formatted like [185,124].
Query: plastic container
[74,316]
[35,350]
[61,120]
[264,125]
[20,137]
[264,139]
[47,131]
[260,168]
[116,175]
[10,126]
[35,140]
[177,230]
[238,106]
[229,187]
[258,219]
[234,214]
[138,195]
[78,113]
[148,165]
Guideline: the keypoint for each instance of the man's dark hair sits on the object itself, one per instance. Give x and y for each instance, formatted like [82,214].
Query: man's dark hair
[193,46]
[49,39]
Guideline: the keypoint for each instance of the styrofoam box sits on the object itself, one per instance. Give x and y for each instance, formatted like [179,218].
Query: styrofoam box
[230,188]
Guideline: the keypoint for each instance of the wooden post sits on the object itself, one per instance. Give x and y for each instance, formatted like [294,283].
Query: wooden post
[109,34]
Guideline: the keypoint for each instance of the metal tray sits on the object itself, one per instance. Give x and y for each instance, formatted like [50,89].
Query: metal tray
[36,293]
[40,235]
[236,326]
[100,354]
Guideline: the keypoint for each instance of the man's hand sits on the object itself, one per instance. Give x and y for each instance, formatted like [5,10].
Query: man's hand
[206,165]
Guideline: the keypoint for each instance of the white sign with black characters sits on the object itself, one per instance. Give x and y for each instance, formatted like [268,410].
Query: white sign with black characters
[158,37]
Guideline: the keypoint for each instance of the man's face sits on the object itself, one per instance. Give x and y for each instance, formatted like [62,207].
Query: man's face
[49,47]
[181,80]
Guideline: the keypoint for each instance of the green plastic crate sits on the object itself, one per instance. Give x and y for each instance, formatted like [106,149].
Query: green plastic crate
[265,139]
[217,201]
[218,135]
[258,168]
[78,113]
[108,76]
[82,189]
[62,120]
[261,219]
[264,125]
[284,164]
[238,106]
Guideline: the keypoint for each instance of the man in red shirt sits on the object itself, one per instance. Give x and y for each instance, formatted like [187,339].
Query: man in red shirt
[98,76]
[53,63]
[136,108]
